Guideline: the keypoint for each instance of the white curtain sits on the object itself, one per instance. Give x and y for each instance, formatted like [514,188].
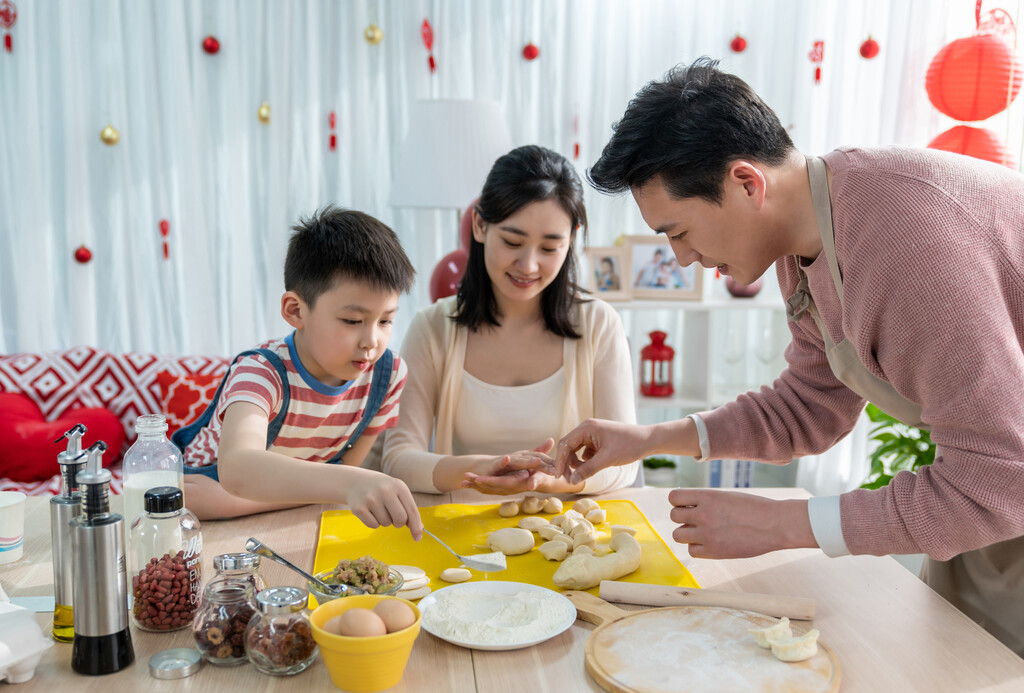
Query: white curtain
[193,152]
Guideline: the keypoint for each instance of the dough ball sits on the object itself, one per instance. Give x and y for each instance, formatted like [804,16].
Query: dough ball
[531,505]
[508,509]
[558,520]
[533,524]
[564,538]
[455,575]
[596,516]
[585,505]
[548,532]
[573,514]
[619,529]
[554,550]
[583,550]
[511,541]
[584,539]
[552,505]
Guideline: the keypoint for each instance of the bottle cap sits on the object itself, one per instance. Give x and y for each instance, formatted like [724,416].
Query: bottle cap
[236,561]
[176,663]
[278,601]
[163,499]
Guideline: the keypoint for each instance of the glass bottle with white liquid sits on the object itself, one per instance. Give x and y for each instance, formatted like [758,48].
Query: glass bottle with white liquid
[152,461]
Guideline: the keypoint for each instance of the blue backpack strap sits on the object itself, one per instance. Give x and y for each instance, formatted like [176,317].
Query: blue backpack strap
[185,435]
[378,393]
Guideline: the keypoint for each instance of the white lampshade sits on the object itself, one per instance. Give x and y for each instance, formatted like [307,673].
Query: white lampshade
[447,152]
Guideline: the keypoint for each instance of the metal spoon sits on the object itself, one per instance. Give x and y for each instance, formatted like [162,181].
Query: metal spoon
[484,562]
[256,546]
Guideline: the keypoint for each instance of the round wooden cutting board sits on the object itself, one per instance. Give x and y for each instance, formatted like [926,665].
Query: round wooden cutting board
[693,649]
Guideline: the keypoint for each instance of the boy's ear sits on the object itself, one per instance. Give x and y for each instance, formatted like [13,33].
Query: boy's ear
[293,309]
[479,227]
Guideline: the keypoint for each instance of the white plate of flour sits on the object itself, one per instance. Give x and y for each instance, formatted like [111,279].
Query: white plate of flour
[496,615]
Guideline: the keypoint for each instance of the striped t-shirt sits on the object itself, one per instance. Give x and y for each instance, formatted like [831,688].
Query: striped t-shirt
[320,418]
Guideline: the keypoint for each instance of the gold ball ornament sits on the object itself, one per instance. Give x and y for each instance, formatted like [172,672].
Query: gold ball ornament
[109,136]
[264,113]
[373,34]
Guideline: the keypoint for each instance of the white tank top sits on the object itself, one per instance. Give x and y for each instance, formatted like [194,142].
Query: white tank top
[496,419]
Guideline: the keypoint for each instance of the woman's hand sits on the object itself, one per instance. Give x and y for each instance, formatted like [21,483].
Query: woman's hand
[517,472]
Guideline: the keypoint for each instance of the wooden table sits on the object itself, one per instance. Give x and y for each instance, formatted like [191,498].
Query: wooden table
[889,631]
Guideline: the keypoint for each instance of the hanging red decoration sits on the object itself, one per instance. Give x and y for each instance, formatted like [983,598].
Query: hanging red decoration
[211,45]
[427,34]
[738,44]
[332,141]
[817,56]
[83,255]
[973,78]
[656,367]
[869,49]
[980,143]
[444,280]
[530,51]
[576,132]
[8,16]
[165,228]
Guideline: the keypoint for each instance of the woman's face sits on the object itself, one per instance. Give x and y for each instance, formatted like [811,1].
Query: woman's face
[524,253]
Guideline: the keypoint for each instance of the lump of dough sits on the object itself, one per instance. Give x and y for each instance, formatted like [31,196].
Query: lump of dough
[583,572]
[548,532]
[596,516]
[796,649]
[552,505]
[564,538]
[455,575]
[573,514]
[585,505]
[531,505]
[558,520]
[533,524]
[779,630]
[508,509]
[619,529]
[583,550]
[583,539]
[581,527]
[511,541]
[554,550]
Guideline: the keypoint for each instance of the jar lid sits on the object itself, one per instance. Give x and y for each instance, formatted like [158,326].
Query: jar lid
[176,663]
[236,561]
[163,499]
[277,601]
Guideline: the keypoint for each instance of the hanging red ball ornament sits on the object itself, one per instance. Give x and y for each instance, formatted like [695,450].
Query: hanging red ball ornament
[738,44]
[165,227]
[530,51]
[974,78]
[8,16]
[83,255]
[869,49]
[211,45]
[444,280]
[977,142]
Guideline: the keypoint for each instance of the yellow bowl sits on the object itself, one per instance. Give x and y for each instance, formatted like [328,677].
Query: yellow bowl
[367,664]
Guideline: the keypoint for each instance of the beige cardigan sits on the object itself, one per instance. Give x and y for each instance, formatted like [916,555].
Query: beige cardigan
[598,383]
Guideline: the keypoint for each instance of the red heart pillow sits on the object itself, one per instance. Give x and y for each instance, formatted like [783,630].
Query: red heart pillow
[27,450]
[184,397]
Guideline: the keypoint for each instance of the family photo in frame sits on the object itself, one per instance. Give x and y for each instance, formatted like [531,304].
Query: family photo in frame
[654,272]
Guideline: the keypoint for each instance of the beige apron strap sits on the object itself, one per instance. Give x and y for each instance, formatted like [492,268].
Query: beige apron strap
[818,175]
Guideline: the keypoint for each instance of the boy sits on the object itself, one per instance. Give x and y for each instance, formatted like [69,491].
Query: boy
[321,395]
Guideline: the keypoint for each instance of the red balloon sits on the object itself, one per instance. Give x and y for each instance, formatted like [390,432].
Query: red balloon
[466,226]
[444,280]
[973,78]
[977,142]
[742,290]
[530,51]
[738,44]
[869,49]
[83,254]
[211,45]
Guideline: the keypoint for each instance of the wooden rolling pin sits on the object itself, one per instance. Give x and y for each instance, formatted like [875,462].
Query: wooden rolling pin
[796,608]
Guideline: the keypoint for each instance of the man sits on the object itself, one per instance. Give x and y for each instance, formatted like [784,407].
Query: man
[903,271]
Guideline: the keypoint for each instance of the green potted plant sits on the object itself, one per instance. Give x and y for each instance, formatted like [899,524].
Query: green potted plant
[899,447]
[659,471]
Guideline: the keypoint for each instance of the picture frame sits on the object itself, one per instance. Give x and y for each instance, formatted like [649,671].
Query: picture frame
[605,273]
[655,274]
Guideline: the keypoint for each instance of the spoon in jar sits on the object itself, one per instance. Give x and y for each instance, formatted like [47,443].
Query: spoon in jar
[257,547]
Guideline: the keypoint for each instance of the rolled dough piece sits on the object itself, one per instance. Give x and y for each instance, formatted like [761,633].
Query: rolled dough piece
[455,575]
[583,572]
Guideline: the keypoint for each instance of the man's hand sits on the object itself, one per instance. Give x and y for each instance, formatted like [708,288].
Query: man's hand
[596,444]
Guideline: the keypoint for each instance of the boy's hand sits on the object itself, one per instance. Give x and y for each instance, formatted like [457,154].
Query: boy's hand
[380,500]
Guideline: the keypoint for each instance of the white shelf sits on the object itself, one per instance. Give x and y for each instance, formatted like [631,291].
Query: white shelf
[709,304]
[677,401]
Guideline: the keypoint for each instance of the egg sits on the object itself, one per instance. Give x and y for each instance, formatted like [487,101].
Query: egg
[395,614]
[356,623]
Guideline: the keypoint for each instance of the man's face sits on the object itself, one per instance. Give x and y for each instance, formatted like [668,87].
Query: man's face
[723,236]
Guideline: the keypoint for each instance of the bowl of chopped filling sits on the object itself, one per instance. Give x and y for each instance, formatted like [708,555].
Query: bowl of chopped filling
[366,573]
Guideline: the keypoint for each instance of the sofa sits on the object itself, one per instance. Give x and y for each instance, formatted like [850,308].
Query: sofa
[44,394]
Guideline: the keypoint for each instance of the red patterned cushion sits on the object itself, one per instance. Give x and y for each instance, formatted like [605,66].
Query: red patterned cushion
[27,450]
[184,397]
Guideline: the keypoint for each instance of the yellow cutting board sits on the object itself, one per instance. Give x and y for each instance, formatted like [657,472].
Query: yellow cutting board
[343,535]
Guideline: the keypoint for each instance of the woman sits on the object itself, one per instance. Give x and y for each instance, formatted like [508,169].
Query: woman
[518,357]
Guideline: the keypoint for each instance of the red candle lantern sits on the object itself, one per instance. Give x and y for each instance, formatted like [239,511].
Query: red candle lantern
[656,367]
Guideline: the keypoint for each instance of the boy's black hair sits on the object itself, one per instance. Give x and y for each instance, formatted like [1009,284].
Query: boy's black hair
[337,243]
[686,129]
[523,176]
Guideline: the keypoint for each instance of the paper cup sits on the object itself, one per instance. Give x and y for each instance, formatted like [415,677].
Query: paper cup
[12,525]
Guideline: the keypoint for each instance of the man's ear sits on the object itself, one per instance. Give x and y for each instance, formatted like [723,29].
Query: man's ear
[479,227]
[293,309]
[750,178]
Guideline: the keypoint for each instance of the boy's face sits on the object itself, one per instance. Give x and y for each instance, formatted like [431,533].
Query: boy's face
[345,332]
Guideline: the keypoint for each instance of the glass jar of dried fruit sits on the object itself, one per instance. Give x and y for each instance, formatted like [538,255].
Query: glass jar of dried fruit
[219,623]
[279,638]
[240,566]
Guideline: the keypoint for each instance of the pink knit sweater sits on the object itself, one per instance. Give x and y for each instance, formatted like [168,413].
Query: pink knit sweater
[931,250]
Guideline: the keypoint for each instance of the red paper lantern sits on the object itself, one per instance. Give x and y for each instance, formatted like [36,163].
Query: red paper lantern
[211,45]
[977,142]
[444,280]
[869,49]
[83,255]
[973,78]
[738,44]
[530,51]
[656,367]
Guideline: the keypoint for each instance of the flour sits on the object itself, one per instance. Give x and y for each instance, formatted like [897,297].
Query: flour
[487,618]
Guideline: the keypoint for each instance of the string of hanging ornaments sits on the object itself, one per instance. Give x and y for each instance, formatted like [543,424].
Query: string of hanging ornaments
[973,79]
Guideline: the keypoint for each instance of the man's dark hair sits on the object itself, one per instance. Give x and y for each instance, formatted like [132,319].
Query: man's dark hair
[336,244]
[686,129]
[523,176]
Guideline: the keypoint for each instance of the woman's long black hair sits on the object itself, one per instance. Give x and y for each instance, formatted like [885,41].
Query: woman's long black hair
[523,176]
